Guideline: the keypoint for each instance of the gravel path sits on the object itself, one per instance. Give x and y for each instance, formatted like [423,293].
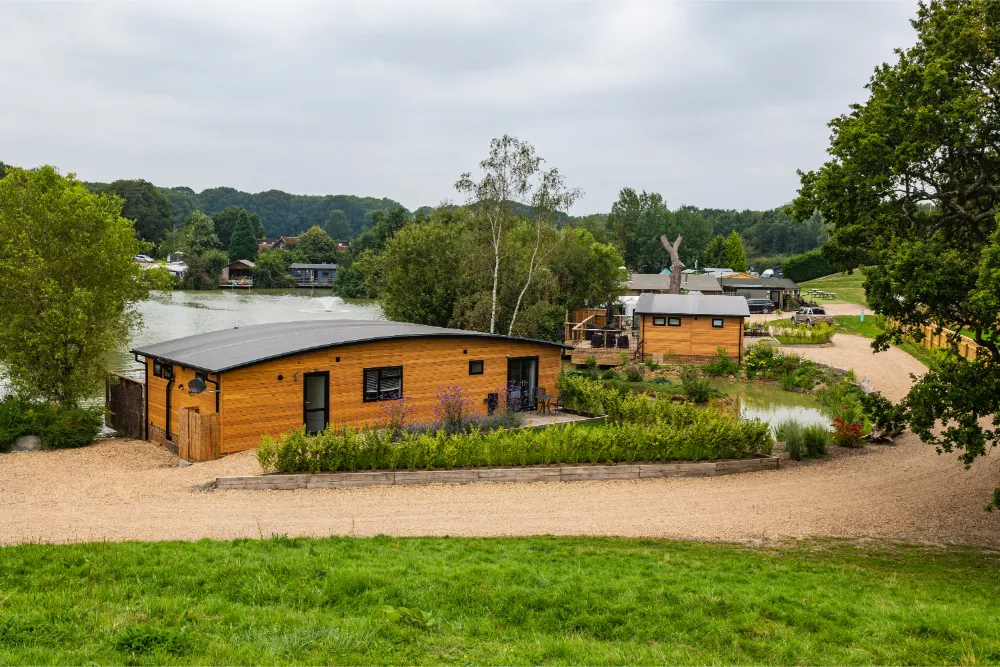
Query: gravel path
[128,490]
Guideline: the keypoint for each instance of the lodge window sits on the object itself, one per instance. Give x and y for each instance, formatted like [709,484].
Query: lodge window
[383,384]
[201,375]
[157,368]
[168,371]
[476,367]
[659,321]
[717,323]
[674,321]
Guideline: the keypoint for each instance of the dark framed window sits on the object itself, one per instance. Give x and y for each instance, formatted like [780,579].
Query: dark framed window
[717,322]
[659,321]
[383,384]
[673,321]
[476,367]
[201,375]
[168,371]
[157,368]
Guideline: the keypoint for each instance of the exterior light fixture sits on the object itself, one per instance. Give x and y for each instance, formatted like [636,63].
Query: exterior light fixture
[280,377]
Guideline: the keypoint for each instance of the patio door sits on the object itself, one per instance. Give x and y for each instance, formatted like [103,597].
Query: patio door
[316,401]
[522,378]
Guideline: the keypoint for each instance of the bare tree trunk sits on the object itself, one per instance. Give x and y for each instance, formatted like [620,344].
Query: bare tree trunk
[676,266]
[531,271]
[496,277]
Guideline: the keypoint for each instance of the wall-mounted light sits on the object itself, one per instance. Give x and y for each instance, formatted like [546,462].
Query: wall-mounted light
[280,377]
[180,387]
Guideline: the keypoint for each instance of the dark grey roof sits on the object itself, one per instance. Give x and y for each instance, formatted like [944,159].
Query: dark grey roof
[661,281]
[763,283]
[312,266]
[225,350]
[692,304]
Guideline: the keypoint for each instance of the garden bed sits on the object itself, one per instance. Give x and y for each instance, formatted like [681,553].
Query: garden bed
[564,473]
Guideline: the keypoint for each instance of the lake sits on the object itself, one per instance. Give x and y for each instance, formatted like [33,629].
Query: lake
[168,315]
[774,405]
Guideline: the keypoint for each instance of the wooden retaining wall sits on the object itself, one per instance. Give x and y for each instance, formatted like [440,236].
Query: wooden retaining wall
[578,473]
[967,347]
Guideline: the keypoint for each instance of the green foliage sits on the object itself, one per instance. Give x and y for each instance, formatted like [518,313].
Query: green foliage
[143,203]
[697,387]
[413,617]
[142,639]
[843,398]
[582,393]
[714,254]
[338,226]
[806,266]
[590,363]
[225,223]
[736,256]
[158,278]
[722,365]
[582,600]
[803,334]
[199,234]
[912,190]
[792,434]
[271,269]
[847,433]
[204,271]
[768,362]
[815,439]
[59,426]
[638,220]
[634,372]
[68,285]
[317,246]
[243,244]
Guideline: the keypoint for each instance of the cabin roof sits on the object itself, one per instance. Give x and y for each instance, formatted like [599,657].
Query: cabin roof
[312,266]
[661,281]
[242,264]
[692,304]
[219,351]
[759,282]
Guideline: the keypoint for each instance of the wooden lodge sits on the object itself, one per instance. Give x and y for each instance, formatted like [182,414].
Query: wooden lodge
[690,327]
[313,275]
[220,392]
[237,274]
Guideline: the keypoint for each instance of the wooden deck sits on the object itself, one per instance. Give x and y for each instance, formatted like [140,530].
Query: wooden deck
[605,356]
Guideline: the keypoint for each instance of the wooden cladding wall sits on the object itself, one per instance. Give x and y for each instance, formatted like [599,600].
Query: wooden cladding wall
[695,337]
[255,402]
[156,387]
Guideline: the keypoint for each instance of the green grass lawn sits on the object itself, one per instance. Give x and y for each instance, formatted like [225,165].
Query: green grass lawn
[498,601]
[847,288]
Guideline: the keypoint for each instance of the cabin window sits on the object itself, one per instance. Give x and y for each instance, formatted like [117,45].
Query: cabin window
[673,321]
[201,375]
[717,323]
[383,384]
[476,367]
[157,368]
[659,321]
[168,371]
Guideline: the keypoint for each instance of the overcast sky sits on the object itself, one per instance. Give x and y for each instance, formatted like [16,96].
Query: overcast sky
[714,104]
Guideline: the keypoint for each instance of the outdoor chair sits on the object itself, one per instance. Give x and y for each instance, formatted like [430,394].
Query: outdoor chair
[623,342]
[610,339]
[597,340]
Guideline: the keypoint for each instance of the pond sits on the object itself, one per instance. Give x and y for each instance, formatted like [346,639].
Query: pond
[168,315]
[775,405]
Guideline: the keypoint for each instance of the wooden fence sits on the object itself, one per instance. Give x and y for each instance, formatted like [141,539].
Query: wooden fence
[197,435]
[967,347]
[125,403]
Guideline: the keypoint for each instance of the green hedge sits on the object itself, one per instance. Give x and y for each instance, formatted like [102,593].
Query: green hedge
[640,428]
[59,426]
[807,266]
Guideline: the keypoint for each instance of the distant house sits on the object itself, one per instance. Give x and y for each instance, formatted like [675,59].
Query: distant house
[778,290]
[313,275]
[285,242]
[237,274]
[691,327]
[659,283]
[716,271]
[264,244]
[343,246]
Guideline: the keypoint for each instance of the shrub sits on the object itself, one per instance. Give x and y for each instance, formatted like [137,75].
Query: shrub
[722,365]
[590,363]
[453,408]
[59,426]
[698,388]
[847,434]
[582,394]
[395,414]
[677,433]
[609,375]
[801,334]
[634,372]
[806,266]
[790,432]
[815,439]
[652,365]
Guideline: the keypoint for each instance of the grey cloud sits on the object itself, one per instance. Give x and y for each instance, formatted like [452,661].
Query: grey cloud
[714,104]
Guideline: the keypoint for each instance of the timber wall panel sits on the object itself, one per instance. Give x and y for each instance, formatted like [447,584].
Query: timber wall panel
[255,402]
[157,390]
[695,337]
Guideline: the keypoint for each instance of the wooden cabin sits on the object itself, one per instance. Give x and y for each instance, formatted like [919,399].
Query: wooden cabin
[269,378]
[690,327]
[237,274]
[313,275]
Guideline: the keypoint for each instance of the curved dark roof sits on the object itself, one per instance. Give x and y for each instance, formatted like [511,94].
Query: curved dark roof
[225,350]
[692,304]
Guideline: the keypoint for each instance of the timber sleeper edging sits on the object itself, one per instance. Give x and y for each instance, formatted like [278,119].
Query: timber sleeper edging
[561,473]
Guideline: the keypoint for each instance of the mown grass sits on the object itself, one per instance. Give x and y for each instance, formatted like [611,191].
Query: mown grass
[501,601]
[848,288]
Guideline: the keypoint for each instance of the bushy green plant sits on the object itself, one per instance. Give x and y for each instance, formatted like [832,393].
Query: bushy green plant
[698,388]
[582,394]
[652,365]
[847,434]
[801,334]
[634,372]
[815,439]
[791,433]
[58,426]
[609,374]
[722,365]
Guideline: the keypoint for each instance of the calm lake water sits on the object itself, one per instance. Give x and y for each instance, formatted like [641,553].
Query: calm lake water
[169,315]
[774,405]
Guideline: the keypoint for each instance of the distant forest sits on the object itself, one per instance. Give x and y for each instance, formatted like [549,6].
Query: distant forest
[281,213]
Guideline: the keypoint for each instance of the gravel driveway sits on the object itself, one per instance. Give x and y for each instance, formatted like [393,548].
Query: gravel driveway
[128,490]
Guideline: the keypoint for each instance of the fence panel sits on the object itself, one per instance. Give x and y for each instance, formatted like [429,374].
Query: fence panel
[125,401]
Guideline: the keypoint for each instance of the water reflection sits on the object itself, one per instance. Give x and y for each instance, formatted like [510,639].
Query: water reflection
[774,405]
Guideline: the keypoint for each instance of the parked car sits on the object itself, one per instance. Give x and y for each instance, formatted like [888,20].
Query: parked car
[761,305]
[812,316]
[145,259]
